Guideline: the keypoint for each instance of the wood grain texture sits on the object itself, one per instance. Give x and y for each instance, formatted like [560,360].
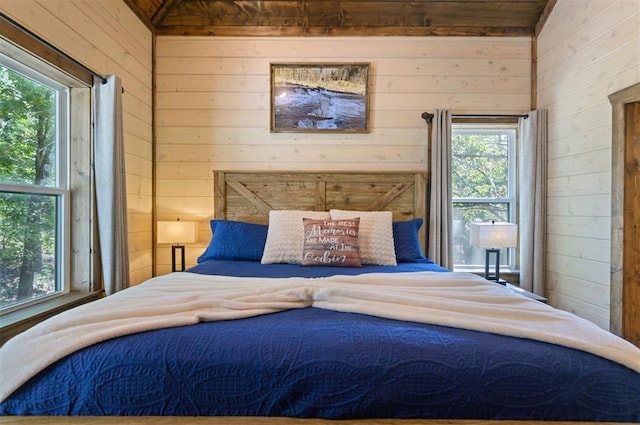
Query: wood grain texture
[351,17]
[586,51]
[80,184]
[618,101]
[213,107]
[631,253]
[249,196]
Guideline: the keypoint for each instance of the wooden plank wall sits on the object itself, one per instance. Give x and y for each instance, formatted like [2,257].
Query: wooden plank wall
[107,37]
[213,106]
[586,51]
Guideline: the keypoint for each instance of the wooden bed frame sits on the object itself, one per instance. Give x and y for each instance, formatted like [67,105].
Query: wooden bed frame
[248,196]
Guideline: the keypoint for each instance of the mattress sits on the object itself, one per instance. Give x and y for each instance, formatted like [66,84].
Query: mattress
[316,362]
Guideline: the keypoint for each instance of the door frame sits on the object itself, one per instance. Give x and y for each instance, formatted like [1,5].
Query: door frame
[618,101]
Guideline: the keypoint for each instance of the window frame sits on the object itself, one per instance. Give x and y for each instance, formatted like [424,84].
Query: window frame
[513,178]
[79,247]
[60,187]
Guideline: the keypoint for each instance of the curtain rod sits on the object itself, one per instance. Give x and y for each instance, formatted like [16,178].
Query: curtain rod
[52,47]
[427,116]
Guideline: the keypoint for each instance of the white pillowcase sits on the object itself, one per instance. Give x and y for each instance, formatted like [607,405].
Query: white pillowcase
[375,235]
[285,236]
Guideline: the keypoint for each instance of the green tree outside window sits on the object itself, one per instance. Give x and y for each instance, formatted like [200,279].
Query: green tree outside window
[27,159]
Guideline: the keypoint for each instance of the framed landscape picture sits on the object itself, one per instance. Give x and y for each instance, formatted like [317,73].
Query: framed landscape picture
[327,97]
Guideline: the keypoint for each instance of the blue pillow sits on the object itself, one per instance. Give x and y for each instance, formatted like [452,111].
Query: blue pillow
[406,240]
[235,240]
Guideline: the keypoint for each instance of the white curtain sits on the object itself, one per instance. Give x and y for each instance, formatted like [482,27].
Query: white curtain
[110,184]
[440,238]
[533,200]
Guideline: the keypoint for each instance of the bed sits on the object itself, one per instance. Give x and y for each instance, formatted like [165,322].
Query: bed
[249,332]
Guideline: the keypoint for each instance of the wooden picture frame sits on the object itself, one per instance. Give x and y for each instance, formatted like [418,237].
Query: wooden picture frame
[320,98]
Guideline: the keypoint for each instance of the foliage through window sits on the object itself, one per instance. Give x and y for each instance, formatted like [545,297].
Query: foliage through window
[484,186]
[33,184]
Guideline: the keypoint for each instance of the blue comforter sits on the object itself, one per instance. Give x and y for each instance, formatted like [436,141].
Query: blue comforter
[320,363]
[254,268]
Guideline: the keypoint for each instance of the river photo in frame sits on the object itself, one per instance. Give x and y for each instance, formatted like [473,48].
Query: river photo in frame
[319,97]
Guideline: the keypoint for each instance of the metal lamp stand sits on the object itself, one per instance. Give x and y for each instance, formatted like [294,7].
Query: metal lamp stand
[174,248]
[494,277]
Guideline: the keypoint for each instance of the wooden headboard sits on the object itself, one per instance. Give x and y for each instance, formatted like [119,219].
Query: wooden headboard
[250,195]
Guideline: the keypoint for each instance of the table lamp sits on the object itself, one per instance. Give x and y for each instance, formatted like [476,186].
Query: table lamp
[176,233]
[493,236]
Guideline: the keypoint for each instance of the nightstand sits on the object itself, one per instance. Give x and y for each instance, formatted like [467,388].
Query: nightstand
[519,290]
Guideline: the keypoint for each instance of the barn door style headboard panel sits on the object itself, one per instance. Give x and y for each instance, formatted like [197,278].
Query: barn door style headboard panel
[250,195]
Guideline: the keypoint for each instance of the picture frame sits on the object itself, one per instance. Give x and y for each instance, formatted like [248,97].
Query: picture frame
[320,97]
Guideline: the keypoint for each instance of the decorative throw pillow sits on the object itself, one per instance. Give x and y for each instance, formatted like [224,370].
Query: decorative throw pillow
[235,240]
[376,235]
[285,237]
[406,240]
[331,243]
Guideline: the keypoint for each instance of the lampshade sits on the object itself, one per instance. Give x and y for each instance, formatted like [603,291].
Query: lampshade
[494,235]
[176,232]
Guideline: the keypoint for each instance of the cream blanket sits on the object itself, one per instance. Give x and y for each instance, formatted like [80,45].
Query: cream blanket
[452,299]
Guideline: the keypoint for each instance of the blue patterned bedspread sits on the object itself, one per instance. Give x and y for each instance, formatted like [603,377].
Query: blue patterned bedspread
[253,268]
[319,363]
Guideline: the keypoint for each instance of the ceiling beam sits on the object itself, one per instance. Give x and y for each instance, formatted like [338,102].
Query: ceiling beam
[162,12]
[484,18]
[298,31]
[548,8]
[140,14]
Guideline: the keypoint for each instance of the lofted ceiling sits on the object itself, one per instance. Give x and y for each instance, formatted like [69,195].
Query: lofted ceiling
[344,17]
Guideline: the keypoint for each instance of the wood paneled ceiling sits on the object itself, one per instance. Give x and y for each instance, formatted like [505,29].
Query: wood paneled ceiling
[344,17]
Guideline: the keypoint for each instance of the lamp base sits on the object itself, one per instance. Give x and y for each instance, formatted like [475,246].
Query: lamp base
[495,276]
[175,248]
[500,281]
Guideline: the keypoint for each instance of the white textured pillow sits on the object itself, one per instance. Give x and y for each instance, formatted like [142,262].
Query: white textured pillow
[376,235]
[285,235]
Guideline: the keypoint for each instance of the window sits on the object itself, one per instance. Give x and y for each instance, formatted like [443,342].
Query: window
[484,187]
[47,245]
[34,188]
